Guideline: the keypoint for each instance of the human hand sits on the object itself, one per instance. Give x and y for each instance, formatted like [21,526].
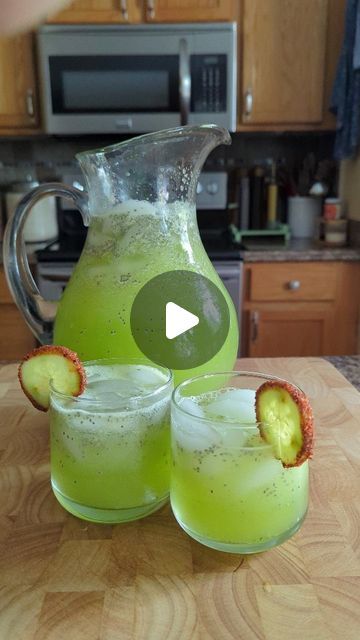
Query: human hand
[21,15]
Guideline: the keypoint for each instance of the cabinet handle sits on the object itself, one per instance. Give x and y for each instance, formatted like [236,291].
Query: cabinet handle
[254,319]
[248,102]
[150,9]
[293,285]
[124,10]
[30,103]
[184,82]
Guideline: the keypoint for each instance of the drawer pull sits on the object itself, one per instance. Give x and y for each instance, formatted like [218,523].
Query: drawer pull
[248,103]
[293,285]
[30,103]
[254,319]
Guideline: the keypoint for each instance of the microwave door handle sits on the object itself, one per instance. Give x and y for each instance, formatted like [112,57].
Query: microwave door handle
[184,82]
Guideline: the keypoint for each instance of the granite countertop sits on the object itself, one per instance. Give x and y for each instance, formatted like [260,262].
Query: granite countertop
[301,251]
[349,366]
[295,251]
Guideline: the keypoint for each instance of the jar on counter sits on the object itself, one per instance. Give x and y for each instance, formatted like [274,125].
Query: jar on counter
[335,232]
[332,209]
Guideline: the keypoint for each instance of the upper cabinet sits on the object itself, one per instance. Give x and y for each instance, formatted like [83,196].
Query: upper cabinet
[287,57]
[288,54]
[284,48]
[18,103]
[190,10]
[132,11]
[93,11]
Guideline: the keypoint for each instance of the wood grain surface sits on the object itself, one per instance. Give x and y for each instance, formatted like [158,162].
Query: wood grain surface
[62,578]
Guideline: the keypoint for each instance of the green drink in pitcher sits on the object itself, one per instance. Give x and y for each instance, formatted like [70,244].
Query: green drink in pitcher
[139,203]
[124,249]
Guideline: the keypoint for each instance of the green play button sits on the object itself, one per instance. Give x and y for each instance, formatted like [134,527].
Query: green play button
[180,319]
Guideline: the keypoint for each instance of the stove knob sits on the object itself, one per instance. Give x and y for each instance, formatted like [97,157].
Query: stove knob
[199,188]
[212,188]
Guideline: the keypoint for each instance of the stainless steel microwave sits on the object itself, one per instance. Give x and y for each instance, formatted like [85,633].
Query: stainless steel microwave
[110,78]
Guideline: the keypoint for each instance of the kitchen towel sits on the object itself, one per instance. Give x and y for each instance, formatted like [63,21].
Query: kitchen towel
[345,100]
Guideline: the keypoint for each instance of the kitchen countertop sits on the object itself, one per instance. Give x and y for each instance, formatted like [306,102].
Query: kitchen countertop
[147,580]
[296,251]
[349,366]
[301,251]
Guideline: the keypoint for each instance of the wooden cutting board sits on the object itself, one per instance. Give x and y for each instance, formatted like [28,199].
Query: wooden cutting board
[64,579]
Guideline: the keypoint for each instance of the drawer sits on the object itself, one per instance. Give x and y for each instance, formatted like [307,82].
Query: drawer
[293,281]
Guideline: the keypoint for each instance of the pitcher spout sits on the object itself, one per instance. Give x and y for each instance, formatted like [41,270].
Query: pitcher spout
[161,167]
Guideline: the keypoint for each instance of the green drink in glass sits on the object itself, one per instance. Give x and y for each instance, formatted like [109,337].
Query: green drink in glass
[110,446]
[228,491]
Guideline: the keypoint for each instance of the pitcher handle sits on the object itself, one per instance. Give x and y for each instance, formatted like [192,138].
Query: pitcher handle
[38,313]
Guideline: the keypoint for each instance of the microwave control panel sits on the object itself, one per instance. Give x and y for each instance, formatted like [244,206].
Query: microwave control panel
[208,83]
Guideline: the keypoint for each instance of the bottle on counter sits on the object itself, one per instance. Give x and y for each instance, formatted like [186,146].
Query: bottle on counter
[257,199]
[239,197]
[243,199]
[232,191]
[272,199]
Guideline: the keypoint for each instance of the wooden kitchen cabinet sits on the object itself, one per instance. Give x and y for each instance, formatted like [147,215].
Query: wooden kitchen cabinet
[287,62]
[18,97]
[301,309]
[283,61]
[16,338]
[102,11]
[287,51]
[132,11]
[191,10]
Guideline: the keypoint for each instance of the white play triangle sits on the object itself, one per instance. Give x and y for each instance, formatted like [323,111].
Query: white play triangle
[178,320]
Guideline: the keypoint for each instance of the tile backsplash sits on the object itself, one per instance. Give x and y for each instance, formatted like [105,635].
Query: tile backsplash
[50,153]
[49,158]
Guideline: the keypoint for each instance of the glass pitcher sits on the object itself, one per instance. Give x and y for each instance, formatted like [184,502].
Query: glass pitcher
[139,205]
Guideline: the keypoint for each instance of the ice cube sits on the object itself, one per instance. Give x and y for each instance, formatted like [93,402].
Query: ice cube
[107,372]
[190,406]
[111,390]
[234,437]
[146,377]
[196,436]
[261,475]
[235,405]
[190,432]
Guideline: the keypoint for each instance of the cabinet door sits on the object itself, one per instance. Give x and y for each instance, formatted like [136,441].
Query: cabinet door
[288,332]
[190,10]
[283,66]
[92,11]
[18,105]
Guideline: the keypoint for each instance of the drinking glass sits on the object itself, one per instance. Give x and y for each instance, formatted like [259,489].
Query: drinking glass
[110,447]
[227,489]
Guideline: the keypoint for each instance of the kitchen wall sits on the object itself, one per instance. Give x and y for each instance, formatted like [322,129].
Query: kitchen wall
[349,187]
